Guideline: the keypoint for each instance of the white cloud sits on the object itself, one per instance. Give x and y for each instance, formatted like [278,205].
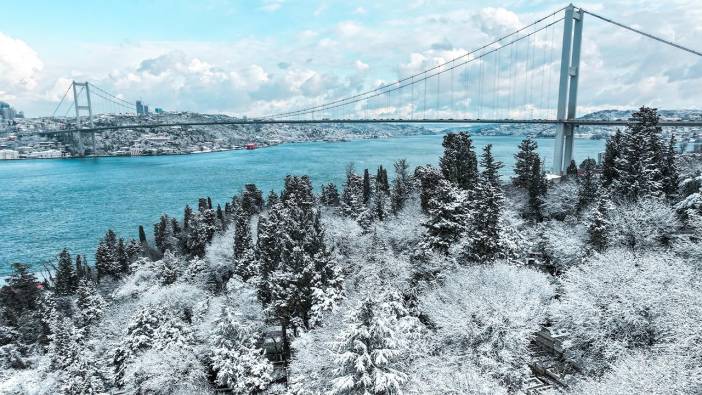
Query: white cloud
[360,66]
[20,67]
[360,11]
[271,5]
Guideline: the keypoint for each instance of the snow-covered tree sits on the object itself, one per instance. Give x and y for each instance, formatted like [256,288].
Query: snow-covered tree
[90,304]
[84,376]
[352,195]
[66,278]
[330,195]
[485,227]
[599,225]
[244,262]
[106,255]
[459,163]
[524,162]
[368,352]
[401,186]
[238,363]
[447,217]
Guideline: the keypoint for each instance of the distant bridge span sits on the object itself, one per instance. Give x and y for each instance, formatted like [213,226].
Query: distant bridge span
[573,122]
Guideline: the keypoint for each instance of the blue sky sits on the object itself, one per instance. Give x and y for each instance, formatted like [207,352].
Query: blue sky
[249,57]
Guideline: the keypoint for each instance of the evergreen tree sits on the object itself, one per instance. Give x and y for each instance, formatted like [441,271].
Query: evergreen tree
[220,215]
[639,167]
[84,376]
[459,163]
[187,216]
[382,177]
[139,337]
[572,170]
[251,200]
[298,275]
[168,268]
[599,226]
[429,178]
[243,247]
[447,217]
[401,187]
[162,234]
[671,176]
[202,204]
[272,199]
[106,255]
[209,203]
[609,161]
[122,262]
[352,196]
[587,191]
[19,295]
[369,351]
[366,187]
[485,231]
[134,250]
[81,269]
[64,347]
[330,195]
[65,283]
[379,202]
[536,188]
[239,365]
[142,235]
[525,159]
[89,303]
[175,226]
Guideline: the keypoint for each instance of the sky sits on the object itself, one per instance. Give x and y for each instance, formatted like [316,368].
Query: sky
[259,57]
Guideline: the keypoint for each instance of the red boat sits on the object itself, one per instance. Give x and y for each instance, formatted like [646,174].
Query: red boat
[250,146]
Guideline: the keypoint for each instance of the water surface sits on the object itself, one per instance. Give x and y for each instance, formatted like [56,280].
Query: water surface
[46,205]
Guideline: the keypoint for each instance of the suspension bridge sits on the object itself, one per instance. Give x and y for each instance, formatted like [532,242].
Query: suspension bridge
[529,76]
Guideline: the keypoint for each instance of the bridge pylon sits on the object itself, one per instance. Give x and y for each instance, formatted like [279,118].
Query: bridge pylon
[84,88]
[568,87]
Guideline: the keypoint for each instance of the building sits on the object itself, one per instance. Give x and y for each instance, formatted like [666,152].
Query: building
[52,153]
[6,111]
[146,109]
[139,107]
[158,110]
[8,154]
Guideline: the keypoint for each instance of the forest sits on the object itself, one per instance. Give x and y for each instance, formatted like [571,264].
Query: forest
[434,280]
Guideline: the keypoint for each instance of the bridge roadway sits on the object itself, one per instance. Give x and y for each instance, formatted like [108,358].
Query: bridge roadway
[575,122]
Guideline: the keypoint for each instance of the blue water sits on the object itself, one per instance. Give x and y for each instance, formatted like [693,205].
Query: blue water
[46,205]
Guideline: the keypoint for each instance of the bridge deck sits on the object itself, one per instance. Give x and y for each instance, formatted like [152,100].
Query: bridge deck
[576,122]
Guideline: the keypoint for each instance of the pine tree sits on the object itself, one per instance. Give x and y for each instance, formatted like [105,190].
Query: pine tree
[64,345]
[572,170]
[382,177]
[81,270]
[639,167]
[599,226]
[536,188]
[84,376]
[524,163]
[609,161]
[134,250]
[352,195]
[366,187]
[368,353]
[379,209]
[220,215]
[209,203]
[447,216]
[485,231]
[330,195]
[19,295]
[298,275]
[65,275]
[272,199]
[139,337]
[161,234]
[459,163]
[89,303]
[401,187]
[243,247]
[671,176]
[168,268]
[587,191]
[251,200]
[187,216]
[106,255]
[122,262]
[429,178]
[142,236]
[239,365]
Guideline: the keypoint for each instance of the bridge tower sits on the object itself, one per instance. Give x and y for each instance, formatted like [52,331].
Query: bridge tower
[84,87]
[568,87]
